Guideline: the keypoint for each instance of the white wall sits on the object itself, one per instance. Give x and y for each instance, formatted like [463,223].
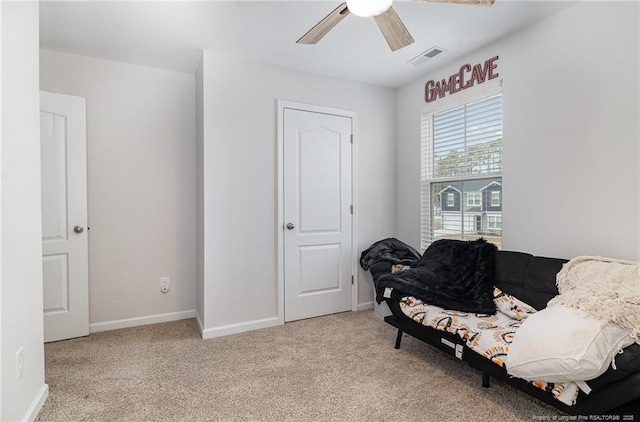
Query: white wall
[199,195]
[21,288]
[240,178]
[141,184]
[571,139]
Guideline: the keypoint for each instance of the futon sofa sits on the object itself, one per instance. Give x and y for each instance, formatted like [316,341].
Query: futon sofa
[530,279]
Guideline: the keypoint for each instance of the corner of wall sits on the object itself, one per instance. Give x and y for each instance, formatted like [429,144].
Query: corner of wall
[21,397]
[200,264]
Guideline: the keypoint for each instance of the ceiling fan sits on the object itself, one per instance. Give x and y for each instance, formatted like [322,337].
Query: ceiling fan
[388,21]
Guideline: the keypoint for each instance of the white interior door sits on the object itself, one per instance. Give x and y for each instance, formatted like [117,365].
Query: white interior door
[317,214]
[64,216]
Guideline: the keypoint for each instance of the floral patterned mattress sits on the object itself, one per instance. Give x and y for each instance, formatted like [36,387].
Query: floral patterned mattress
[488,335]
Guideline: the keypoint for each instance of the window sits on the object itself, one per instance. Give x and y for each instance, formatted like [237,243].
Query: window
[474,199]
[451,200]
[495,198]
[462,149]
[495,222]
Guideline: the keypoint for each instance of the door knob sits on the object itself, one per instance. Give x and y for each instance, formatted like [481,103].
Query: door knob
[290,226]
[78,229]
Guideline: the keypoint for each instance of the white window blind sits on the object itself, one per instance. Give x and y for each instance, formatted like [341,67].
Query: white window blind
[461,172]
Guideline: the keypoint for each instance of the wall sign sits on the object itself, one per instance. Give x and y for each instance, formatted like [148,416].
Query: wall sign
[465,78]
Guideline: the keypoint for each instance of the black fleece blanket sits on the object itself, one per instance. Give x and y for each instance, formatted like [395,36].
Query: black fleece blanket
[452,274]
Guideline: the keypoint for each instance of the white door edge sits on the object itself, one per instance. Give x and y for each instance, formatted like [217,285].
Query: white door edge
[282,105]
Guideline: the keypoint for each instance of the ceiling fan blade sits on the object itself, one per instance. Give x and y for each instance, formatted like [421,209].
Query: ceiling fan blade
[469,2]
[393,29]
[321,29]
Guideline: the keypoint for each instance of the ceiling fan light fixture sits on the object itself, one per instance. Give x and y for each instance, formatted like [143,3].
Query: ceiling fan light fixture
[368,8]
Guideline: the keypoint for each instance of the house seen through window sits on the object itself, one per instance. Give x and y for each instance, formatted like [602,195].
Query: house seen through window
[461,172]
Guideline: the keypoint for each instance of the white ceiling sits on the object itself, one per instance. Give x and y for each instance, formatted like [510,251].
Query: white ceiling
[171,35]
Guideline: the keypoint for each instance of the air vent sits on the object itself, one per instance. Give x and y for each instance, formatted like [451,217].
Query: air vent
[426,55]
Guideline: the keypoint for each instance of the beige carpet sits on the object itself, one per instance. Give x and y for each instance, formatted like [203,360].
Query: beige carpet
[340,367]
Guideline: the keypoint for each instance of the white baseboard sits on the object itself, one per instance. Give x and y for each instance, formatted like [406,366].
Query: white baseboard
[365,305]
[239,328]
[36,404]
[145,320]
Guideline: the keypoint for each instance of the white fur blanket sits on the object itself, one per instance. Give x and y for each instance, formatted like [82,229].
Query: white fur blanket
[605,288]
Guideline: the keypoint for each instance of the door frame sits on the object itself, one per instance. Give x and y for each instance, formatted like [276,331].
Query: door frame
[282,105]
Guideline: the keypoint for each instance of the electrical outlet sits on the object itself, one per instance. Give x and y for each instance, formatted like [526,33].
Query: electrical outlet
[164,284]
[19,363]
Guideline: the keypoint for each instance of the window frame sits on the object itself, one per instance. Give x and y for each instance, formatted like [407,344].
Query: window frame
[497,197]
[451,200]
[477,196]
[496,219]
[427,179]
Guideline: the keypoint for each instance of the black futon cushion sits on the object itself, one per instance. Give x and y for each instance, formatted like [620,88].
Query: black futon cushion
[626,364]
[531,279]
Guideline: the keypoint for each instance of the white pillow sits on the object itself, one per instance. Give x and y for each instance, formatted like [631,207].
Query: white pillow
[560,344]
